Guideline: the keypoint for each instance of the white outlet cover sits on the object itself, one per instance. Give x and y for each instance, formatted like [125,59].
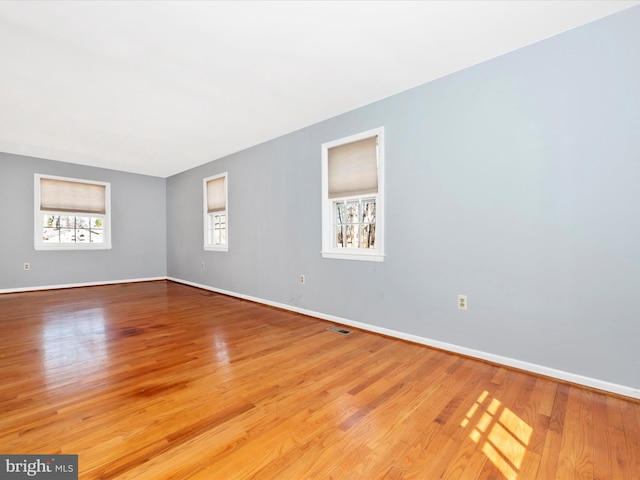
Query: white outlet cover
[462,302]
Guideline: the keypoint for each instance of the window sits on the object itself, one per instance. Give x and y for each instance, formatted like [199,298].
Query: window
[216,219]
[71,214]
[352,197]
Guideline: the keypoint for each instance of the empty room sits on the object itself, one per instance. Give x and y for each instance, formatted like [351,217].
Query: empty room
[320,240]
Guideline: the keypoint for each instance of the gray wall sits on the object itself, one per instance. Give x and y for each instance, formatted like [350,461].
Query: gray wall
[138,235]
[514,182]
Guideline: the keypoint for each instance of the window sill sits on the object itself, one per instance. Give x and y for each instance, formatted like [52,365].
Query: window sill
[363,257]
[89,246]
[210,248]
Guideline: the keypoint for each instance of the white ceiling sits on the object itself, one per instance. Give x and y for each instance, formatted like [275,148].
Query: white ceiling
[159,87]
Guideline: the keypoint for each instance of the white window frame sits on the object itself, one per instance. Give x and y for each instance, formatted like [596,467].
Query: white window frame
[329,243]
[208,217]
[39,244]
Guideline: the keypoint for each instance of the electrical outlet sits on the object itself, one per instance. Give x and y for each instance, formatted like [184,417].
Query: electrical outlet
[27,266]
[301,279]
[462,302]
[203,265]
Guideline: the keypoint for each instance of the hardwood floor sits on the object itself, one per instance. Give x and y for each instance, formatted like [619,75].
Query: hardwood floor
[160,380]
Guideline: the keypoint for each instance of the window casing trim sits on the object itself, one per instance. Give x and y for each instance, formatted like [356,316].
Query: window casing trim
[208,246]
[329,249]
[39,244]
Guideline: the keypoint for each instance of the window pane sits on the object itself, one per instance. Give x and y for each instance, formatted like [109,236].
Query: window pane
[369,211]
[368,223]
[96,231]
[351,236]
[81,229]
[49,221]
[65,221]
[67,235]
[96,236]
[352,210]
[50,235]
[368,236]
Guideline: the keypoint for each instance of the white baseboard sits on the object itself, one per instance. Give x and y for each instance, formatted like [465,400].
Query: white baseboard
[490,357]
[74,285]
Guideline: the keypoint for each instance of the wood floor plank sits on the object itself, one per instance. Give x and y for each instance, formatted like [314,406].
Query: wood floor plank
[553,438]
[632,435]
[157,380]
[585,460]
[536,413]
[603,463]
[617,446]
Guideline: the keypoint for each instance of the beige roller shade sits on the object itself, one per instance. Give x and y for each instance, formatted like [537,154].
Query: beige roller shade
[72,197]
[216,198]
[353,168]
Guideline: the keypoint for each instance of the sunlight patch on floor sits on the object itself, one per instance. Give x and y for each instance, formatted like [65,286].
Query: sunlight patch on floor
[503,435]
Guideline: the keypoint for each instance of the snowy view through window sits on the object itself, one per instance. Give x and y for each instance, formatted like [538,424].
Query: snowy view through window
[70,229]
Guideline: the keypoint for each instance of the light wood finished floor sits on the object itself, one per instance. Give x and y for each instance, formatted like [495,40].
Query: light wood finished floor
[160,380]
